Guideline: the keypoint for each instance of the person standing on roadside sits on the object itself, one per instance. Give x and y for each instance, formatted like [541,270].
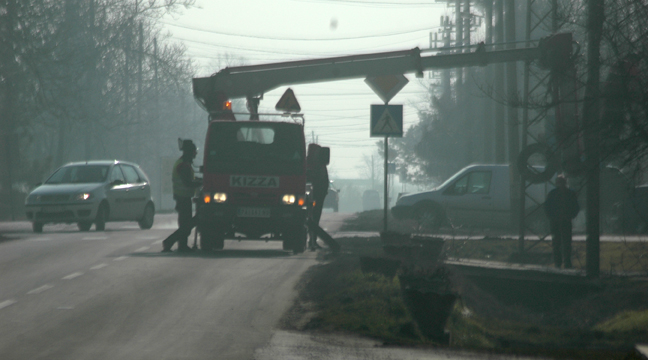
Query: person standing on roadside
[561,207]
[317,175]
[184,188]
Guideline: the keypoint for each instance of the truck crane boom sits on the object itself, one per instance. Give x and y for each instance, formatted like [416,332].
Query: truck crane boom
[253,81]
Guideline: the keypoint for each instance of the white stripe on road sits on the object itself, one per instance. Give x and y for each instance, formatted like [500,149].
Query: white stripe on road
[72,276]
[142,249]
[95,238]
[97,267]
[6,303]
[40,289]
[43,239]
[157,242]
[120,258]
[146,237]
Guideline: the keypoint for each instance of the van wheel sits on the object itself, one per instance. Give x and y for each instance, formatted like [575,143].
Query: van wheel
[102,215]
[84,225]
[429,217]
[37,227]
[146,222]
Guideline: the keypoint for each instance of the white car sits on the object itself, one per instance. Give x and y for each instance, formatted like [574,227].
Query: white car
[92,192]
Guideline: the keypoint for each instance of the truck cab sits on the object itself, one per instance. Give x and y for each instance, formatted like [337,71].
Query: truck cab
[254,184]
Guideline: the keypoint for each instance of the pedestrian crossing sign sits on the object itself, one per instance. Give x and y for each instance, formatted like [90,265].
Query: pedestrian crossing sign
[386,120]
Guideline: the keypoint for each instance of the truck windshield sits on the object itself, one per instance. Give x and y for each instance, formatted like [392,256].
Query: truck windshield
[255,148]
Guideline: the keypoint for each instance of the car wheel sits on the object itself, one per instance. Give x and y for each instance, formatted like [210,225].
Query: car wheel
[102,215]
[146,222]
[429,217]
[37,227]
[84,225]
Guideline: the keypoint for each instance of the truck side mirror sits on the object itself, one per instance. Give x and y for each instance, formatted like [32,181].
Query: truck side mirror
[325,155]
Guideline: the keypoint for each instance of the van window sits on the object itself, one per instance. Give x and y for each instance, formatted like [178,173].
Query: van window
[479,182]
[476,182]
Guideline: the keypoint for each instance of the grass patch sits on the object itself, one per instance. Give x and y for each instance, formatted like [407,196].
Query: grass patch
[554,321]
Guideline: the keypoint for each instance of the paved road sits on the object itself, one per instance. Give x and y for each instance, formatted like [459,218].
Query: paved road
[66,294]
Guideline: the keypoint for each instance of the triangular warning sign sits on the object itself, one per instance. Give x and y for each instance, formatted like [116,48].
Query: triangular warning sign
[288,102]
[386,124]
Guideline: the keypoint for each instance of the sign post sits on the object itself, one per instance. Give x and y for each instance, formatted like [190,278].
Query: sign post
[386,121]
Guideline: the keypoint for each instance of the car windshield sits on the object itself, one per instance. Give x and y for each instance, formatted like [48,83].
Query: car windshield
[262,148]
[76,174]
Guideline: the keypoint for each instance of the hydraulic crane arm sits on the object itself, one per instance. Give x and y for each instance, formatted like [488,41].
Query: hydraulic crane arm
[253,81]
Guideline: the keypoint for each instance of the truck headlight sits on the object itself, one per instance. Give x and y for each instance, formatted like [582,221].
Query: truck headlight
[220,197]
[83,196]
[290,199]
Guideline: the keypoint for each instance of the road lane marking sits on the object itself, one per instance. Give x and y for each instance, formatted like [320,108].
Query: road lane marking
[40,289]
[72,276]
[95,238]
[42,239]
[6,303]
[120,258]
[97,267]
[146,237]
[142,249]
[157,242]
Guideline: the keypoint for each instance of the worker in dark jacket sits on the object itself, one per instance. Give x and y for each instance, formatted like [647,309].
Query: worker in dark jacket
[317,175]
[184,188]
[561,207]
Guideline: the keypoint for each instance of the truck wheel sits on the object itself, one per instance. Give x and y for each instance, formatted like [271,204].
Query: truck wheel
[37,227]
[429,217]
[210,240]
[296,240]
[84,225]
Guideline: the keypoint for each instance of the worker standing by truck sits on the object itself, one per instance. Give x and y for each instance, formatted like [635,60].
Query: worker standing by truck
[317,175]
[184,188]
[561,207]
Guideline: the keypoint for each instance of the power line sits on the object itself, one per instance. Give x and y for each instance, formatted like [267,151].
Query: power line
[360,37]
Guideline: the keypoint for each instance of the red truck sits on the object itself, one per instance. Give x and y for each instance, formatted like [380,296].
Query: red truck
[254,184]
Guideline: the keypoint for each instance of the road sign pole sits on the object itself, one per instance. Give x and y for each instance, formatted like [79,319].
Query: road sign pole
[386,193]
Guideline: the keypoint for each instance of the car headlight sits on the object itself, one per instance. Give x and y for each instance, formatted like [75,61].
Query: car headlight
[83,196]
[290,199]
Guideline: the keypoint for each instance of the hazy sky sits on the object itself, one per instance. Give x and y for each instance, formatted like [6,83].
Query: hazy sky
[262,31]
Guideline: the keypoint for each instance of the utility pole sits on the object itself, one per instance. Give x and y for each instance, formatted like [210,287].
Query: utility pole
[595,18]
[500,111]
[488,103]
[513,128]
[468,110]
[138,126]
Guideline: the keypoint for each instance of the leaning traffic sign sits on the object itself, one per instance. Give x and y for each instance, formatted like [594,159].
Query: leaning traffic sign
[288,102]
[386,120]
